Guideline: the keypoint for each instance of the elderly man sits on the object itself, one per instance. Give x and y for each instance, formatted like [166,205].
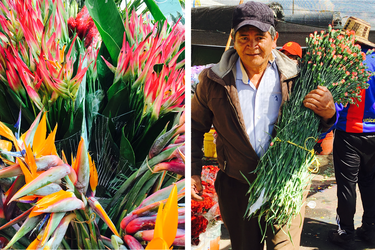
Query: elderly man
[242,96]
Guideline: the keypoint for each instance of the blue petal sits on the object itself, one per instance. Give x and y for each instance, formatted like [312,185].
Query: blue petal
[14,154]
[18,124]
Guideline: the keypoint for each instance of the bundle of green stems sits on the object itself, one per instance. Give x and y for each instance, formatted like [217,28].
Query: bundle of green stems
[332,60]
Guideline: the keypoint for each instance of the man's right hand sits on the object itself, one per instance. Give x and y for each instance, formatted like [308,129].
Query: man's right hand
[196,188]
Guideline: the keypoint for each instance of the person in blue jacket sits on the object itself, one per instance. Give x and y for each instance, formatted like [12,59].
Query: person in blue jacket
[354,153]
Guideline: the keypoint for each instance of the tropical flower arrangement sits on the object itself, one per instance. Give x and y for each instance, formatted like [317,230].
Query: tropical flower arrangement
[115,88]
[54,193]
[205,213]
[332,60]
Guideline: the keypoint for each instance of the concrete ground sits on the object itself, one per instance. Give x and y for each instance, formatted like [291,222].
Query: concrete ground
[320,215]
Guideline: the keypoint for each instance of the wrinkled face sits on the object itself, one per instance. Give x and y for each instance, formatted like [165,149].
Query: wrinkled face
[254,46]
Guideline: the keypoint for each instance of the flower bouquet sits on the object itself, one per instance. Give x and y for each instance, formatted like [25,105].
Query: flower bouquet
[332,60]
[206,213]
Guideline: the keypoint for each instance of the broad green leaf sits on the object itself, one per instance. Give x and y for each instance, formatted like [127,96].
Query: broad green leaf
[143,143]
[109,24]
[126,151]
[155,10]
[105,75]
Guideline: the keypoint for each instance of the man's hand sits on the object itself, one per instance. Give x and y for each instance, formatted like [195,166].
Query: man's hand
[196,188]
[320,101]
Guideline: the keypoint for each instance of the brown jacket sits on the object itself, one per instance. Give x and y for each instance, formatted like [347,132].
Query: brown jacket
[216,102]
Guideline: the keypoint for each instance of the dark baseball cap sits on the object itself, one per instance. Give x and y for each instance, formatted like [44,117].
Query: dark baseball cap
[253,13]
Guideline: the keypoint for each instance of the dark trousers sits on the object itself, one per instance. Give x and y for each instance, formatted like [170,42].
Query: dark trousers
[246,234]
[354,162]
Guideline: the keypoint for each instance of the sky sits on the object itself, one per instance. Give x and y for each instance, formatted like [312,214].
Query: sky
[364,9]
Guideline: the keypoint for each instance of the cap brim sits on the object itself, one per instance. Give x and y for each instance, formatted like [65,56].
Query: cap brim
[361,40]
[291,51]
[364,41]
[262,26]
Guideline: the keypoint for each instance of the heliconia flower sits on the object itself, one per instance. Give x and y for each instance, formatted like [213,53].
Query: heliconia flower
[13,78]
[62,201]
[98,209]
[132,242]
[176,166]
[162,194]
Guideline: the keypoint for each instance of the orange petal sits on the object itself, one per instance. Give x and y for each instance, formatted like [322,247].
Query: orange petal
[49,147]
[170,217]
[28,198]
[159,222]
[34,244]
[5,145]
[93,174]
[40,135]
[26,171]
[7,133]
[29,135]
[49,200]
[157,244]
[64,157]
[30,161]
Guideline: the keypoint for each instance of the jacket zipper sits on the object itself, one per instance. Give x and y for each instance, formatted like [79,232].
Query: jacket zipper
[238,119]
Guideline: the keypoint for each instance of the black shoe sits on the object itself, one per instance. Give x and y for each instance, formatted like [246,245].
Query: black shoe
[366,233]
[346,241]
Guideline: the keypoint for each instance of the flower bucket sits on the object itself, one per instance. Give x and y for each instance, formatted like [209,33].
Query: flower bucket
[209,145]
[326,144]
[213,236]
[209,240]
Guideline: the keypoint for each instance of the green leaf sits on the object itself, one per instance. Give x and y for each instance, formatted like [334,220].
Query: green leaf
[126,151]
[143,144]
[141,171]
[155,10]
[158,68]
[105,75]
[109,24]
[118,104]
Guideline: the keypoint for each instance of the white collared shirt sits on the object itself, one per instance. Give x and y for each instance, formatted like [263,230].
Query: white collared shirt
[260,107]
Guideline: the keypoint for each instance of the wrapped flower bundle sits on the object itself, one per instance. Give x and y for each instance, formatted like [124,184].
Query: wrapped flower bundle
[332,60]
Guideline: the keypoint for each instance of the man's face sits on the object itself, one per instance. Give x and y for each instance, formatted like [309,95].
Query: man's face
[254,46]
